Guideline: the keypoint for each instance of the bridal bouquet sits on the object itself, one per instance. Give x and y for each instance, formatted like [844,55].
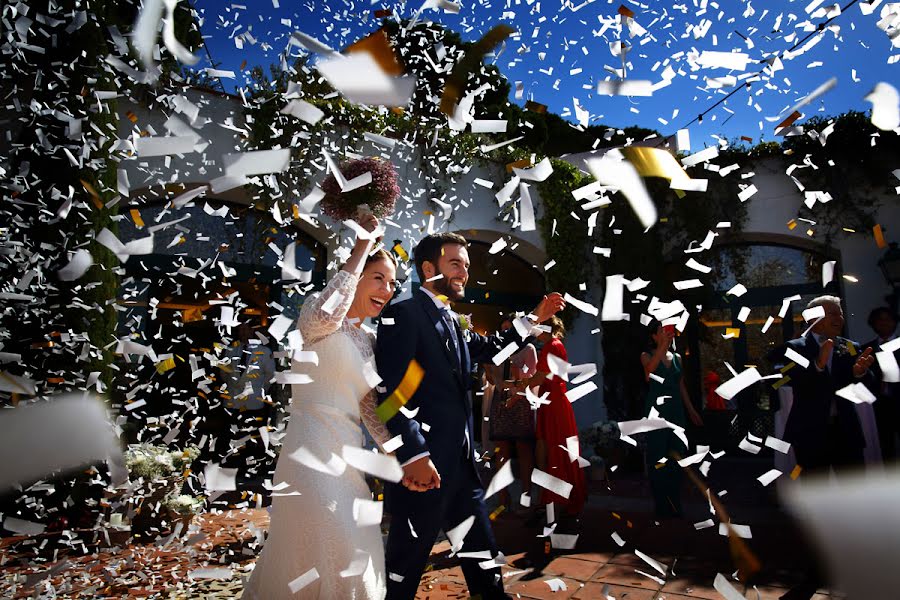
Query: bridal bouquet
[380,195]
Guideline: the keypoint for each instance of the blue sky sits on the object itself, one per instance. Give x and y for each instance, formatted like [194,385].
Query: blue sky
[555,42]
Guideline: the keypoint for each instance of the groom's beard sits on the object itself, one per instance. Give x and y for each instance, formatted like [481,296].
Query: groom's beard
[442,286]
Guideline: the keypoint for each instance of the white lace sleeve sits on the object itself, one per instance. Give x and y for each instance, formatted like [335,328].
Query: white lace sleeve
[370,419]
[315,322]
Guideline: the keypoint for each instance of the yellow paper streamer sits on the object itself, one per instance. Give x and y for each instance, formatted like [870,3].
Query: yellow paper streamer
[398,249]
[654,162]
[408,386]
[879,236]
[165,365]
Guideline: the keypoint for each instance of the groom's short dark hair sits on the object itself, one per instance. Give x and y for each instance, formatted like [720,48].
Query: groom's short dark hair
[429,248]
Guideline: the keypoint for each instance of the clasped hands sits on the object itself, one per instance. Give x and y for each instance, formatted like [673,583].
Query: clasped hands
[862,364]
[421,475]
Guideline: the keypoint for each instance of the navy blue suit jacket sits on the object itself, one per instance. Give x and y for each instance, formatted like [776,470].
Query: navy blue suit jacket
[442,401]
[814,391]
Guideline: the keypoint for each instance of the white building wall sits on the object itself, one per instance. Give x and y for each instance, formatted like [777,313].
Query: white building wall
[778,201]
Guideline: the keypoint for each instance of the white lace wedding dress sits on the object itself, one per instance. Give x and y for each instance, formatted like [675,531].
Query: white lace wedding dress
[312,517]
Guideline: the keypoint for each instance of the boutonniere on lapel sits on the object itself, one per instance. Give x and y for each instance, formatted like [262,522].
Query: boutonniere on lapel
[843,347]
[465,324]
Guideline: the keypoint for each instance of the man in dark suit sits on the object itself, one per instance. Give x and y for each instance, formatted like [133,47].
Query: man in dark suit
[823,428]
[441,488]
[883,322]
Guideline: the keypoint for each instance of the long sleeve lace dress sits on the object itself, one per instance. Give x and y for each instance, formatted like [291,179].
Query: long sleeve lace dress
[316,548]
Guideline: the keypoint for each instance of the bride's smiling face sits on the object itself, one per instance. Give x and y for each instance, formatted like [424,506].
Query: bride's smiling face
[375,288]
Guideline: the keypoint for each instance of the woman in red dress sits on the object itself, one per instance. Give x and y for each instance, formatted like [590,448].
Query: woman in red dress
[556,423]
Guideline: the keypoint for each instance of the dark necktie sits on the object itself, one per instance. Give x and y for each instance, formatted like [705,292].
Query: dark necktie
[448,323]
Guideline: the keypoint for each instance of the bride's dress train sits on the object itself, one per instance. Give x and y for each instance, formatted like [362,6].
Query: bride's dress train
[313,525]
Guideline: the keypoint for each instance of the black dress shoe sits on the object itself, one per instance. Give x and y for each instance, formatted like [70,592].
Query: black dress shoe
[804,591]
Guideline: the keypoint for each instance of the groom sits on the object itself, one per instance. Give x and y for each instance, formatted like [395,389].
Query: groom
[441,488]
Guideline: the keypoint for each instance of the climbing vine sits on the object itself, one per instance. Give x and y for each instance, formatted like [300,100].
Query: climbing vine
[849,158]
[565,237]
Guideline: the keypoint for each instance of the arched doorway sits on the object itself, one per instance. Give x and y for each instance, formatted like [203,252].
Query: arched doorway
[214,265]
[205,254]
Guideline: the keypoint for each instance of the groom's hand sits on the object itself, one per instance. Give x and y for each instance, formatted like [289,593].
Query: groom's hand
[421,475]
[549,306]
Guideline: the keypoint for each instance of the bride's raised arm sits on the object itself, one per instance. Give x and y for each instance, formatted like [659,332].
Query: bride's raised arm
[323,313]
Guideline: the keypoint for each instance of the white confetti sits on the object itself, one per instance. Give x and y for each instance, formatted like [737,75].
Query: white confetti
[769,476]
[303,580]
[885,106]
[380,465]
[359,79]
[549,482]
[502,479]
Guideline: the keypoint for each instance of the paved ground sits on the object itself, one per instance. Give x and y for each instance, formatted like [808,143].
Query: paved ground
[598,567]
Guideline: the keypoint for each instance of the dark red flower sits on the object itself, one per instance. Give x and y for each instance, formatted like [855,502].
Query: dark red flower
[380,195]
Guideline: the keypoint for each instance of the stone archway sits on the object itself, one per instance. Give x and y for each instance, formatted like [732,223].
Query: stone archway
[508,281]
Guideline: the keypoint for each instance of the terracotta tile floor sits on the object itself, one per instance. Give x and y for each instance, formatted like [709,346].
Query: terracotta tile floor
[226,542]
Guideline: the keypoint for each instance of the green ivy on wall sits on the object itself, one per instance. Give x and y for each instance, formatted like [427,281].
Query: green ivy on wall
[854,164]
[565,236]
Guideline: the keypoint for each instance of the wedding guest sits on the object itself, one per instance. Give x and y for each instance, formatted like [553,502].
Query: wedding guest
[556,423]
[510,418]
[667,395]
[824,428]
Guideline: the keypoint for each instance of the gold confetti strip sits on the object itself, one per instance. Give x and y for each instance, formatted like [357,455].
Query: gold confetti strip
[535,107]
[399,251]
[456,82]
[165,365]
[796,472]
[783,381]
[879,236]
[408,386]
[625,11]
[95,197]
[789,120]
[379,48]
[519,164]
[136,217]
[654,162]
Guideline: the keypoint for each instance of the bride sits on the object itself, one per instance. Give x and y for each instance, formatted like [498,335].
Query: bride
[315,549]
